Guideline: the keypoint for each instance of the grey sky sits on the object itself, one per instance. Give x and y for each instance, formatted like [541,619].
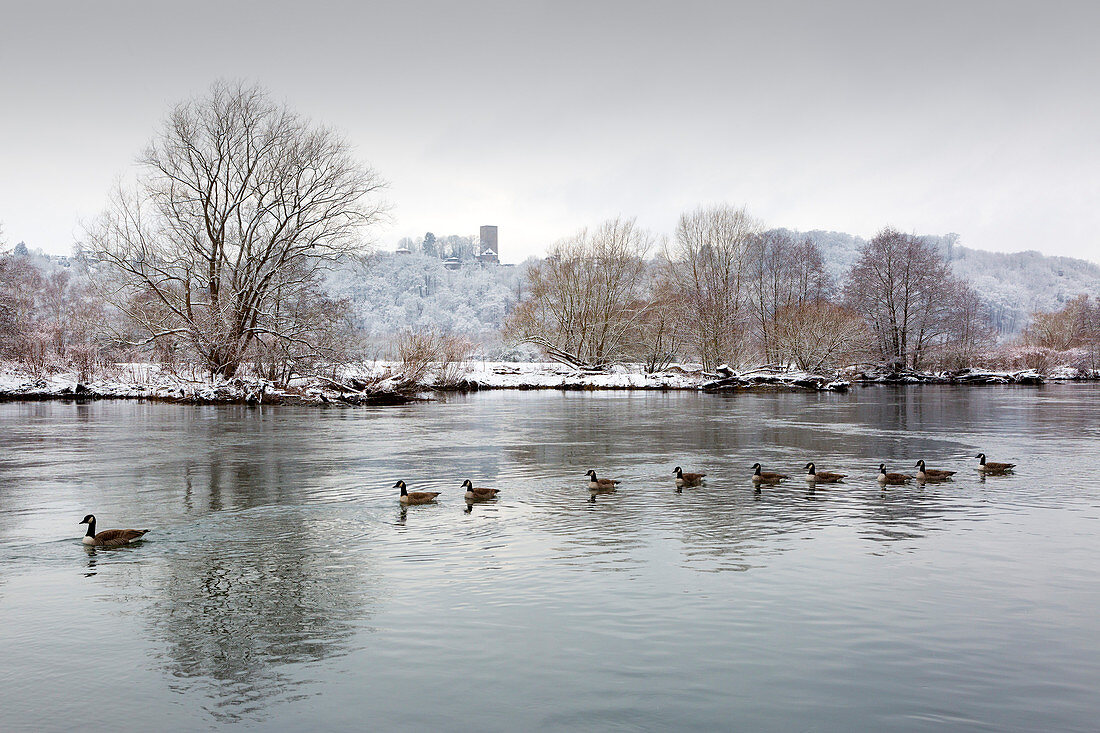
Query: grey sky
[980,118]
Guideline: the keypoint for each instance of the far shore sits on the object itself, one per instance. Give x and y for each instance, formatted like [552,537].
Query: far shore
[376,384]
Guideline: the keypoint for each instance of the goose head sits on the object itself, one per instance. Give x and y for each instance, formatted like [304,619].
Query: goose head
[90,519]
[882,468]
[810,468]
[467,485]
[981,457]
[756,467]
[401,485]
[679,472]
[591,474]
[920,464]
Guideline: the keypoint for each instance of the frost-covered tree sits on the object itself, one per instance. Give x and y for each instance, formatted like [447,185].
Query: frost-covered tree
[240,205]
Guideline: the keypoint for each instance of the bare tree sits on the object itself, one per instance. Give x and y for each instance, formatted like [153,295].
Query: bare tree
[656,339]
[785,273]
[907,292]
[239,203]
[1072,326]
[970,333]
[817,334]
[587,296]
[710,261]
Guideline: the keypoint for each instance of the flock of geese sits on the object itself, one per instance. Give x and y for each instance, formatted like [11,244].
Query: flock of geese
[120,537]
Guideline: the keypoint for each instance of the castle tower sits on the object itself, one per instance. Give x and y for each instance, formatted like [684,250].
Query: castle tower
[488,251]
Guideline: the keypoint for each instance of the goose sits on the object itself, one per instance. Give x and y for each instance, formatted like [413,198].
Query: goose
[478,494]
[416,497]
[687,479]
[991,467]
[823,477]
[109,537]
[766,477]
[891,478]
[931,474]
[600,484]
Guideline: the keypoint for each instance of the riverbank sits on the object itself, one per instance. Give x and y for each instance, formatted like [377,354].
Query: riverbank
[153,383]
[380,383]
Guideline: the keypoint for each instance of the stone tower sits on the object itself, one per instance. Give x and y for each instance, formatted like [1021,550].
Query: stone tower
[488,251]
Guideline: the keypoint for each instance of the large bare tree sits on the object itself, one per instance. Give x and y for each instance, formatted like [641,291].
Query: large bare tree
[711,262]
[239,206]
[907,292]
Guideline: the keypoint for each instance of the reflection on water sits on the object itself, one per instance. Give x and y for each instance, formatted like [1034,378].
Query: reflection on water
[232,618]
[284,585]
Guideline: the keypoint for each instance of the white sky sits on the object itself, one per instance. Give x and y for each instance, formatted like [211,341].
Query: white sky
[981,118]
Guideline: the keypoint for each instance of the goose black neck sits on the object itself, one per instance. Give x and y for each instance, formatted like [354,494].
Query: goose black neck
[757,471]
[91,529]
[404,491]
[813,470]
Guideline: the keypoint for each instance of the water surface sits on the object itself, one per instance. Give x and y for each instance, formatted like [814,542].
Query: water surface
[283,587]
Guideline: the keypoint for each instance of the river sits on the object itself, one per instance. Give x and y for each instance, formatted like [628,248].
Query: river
[283,587]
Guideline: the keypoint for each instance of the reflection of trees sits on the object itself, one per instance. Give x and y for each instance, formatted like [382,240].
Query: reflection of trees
[273,589]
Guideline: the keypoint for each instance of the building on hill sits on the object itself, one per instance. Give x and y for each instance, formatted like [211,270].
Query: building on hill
[488,252]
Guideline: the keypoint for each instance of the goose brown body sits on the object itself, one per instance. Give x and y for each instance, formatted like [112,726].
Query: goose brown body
[992,467]
[687,479]
[822,477]
[891,478]
[600,484]
[415,497]
[475,493]
[766,477]
[931,474]
[109,537]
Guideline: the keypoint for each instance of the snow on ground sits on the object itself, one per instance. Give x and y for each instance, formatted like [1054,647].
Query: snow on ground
[382,381]
[549,375]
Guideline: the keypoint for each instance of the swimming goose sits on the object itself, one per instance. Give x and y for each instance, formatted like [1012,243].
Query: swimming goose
[600,484]
[991,467]
[891,478]
[687,479]
[109,537]
[766,477]
[474,493]
[823,477]
[931,474]
[415,497]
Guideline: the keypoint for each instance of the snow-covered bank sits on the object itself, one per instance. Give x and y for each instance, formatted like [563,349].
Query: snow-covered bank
[380,383]
[150,382]
[883,375]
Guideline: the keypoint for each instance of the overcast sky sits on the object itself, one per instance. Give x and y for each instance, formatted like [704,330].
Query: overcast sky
[980,118]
